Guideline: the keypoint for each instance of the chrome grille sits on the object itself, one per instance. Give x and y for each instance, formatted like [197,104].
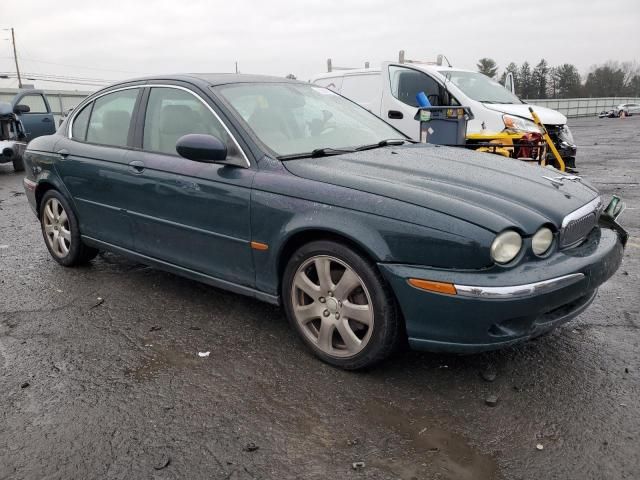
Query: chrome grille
[577,230]
[577,225]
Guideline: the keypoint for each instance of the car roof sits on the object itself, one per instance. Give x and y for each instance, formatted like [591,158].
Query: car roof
[213,79]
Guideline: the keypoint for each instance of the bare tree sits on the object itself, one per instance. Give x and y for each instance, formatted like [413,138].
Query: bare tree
[488,67]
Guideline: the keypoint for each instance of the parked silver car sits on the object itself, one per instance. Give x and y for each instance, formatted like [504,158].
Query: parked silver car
[628,109]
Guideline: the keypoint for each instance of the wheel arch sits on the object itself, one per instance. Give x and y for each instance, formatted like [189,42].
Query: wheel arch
[301,237]
[41,189]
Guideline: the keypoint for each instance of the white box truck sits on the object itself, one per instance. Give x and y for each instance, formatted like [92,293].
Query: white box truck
[390,92]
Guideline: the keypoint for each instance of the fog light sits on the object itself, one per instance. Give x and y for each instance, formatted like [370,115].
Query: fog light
[541,241]
[506,246]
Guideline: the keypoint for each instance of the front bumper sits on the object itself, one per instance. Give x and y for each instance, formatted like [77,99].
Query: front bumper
[10,150]
[498,307]
[564,143]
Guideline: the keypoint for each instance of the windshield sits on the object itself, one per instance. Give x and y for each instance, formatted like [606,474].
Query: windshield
[298,119]
[481,88]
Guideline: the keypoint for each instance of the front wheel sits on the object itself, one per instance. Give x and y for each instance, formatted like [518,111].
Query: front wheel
[340,305]
[18,164]
[61,232]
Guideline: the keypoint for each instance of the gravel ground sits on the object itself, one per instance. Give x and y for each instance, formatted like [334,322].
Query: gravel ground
[100,377]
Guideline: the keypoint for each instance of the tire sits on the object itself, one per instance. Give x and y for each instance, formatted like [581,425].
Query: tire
[61,233]
[18,164]
[348,317]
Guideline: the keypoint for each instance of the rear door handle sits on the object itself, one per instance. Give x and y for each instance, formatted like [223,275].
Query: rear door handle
[137,166]
[64,153]
[395,114]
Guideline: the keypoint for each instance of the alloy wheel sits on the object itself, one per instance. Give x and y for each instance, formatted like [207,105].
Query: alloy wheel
[56,228]
[332,306]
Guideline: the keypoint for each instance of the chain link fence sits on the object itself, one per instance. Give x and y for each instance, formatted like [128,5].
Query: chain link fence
[582,107]
[61,101]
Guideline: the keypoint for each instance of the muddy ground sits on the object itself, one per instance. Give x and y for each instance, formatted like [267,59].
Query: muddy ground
[100,377]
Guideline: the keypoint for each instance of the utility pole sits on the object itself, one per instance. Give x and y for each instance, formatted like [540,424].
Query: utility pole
[15,57]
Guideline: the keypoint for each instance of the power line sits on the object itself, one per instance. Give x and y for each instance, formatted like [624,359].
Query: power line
[66,77]
[23,58]
[46,78]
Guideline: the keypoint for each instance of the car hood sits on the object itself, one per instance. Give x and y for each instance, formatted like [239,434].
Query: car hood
[481,188]
[546,115]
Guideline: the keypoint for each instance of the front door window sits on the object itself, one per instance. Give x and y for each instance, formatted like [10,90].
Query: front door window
[173,113]
[406,83]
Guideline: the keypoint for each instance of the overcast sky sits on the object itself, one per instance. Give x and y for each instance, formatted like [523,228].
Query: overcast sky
[114,40]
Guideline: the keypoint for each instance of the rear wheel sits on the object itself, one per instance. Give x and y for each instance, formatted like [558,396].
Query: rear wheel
[340,305]
[61,233]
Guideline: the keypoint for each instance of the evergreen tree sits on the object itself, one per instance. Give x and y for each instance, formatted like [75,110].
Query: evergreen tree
[523,87]
[567,81]
[539,79]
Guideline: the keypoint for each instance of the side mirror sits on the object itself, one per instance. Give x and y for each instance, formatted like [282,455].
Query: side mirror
[201,148]
[20,108]
[509,83]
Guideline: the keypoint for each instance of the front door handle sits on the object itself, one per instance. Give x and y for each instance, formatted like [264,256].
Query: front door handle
[395,114]
[64,153]
[137,166]
[46,119]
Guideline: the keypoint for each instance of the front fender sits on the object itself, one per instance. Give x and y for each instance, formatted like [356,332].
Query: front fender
[277,218]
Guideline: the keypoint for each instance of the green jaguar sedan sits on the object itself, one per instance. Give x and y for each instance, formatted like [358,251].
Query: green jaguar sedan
[292,194]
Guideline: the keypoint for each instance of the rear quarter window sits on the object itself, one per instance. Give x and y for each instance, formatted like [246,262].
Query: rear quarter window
[80,122]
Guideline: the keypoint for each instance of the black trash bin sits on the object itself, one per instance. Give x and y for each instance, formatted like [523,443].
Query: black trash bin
[443,125]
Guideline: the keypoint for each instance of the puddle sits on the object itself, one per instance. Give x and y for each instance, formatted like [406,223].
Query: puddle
[161,358]
[428,452]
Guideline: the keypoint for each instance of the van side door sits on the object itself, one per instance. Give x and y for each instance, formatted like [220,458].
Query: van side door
[401,84]
[39,120]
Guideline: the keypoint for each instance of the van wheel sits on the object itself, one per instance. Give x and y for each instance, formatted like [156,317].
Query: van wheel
[18,164]
[61,233]
[340,305]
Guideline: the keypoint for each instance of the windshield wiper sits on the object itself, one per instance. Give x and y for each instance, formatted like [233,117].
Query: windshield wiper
[318,152]
[323,152]
[384,143]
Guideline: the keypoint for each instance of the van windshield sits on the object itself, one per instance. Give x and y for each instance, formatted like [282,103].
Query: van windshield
[296,119]
[480,88]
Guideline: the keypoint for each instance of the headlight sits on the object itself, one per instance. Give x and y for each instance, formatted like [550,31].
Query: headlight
[541,241]
[566,135]
[520,124]
[506,246]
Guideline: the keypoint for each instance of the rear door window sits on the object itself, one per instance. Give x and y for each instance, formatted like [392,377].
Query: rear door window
[111,118]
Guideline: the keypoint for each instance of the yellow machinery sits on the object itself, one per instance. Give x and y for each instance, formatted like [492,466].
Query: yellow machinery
[527,147]
[531,147]
[547,139]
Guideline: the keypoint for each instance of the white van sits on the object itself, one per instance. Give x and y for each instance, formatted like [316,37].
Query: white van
[391,93]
